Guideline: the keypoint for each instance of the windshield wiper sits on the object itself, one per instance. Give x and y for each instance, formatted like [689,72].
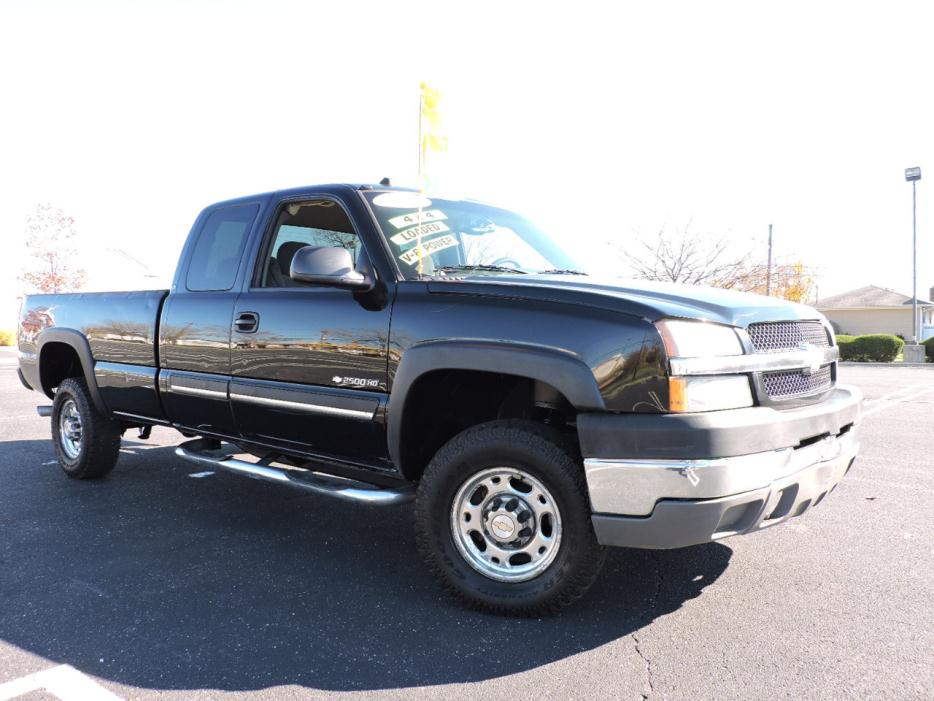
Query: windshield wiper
[561,271]
[482,268]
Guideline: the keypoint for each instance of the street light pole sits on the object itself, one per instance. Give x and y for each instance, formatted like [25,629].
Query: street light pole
[914,261]
[913,175]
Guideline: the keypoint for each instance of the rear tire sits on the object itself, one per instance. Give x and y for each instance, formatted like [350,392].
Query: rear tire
[502,518]
[87,443]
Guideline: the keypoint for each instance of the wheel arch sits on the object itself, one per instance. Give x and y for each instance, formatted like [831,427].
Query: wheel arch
[563,372]
[64,353]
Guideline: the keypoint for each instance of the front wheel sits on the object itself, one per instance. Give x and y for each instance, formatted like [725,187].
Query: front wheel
[503,519]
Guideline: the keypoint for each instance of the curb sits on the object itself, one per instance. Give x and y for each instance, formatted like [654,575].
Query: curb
[859,364]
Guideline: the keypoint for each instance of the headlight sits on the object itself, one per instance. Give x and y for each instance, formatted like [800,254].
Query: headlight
[695,339]
[700,339]
[708,393]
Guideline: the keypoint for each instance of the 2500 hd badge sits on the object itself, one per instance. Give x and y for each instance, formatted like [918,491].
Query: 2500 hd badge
[354,381]
[380,346]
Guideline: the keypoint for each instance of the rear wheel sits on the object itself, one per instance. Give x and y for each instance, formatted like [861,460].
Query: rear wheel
[503,519]
[87,443]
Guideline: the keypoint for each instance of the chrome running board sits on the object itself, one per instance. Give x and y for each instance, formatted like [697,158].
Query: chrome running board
[205,452]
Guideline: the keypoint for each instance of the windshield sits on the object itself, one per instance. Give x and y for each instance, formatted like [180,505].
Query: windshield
[436,237]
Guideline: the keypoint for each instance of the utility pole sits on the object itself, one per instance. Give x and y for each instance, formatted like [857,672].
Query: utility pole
[768,272]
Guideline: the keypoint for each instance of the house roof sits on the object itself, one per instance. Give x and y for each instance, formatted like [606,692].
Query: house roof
[868,296]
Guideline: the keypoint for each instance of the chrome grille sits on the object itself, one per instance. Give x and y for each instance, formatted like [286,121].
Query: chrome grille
[776,336]
[795,383]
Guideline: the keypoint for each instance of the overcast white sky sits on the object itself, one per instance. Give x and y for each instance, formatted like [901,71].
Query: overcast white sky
[602,123]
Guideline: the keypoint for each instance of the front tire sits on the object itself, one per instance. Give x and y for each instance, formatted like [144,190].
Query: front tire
[503,519]
[87,443]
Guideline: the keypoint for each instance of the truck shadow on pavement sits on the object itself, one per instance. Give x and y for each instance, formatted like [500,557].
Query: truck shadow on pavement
[156,579]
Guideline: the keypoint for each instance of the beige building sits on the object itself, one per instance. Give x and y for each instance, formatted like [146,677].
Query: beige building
[874,309]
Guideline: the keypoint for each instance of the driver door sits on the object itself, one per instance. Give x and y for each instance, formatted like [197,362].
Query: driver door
[308,363]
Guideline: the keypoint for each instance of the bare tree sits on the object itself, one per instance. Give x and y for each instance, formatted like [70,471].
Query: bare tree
[695,259]
[50,240]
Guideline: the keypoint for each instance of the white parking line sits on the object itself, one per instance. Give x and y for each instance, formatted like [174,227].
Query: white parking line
[893,394]
[880,405]
[63,682]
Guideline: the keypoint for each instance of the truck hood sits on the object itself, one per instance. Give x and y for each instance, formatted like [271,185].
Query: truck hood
[645,299]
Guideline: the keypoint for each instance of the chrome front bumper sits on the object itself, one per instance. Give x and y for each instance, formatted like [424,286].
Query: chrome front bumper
[675,503]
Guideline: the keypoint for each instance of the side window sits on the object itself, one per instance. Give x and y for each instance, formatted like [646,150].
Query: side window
[312,223]
[216,257]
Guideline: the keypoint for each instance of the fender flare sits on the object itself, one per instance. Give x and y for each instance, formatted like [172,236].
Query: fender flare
[79,343]
[560,369]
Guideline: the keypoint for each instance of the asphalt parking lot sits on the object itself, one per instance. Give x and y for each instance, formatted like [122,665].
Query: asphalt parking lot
[158,583]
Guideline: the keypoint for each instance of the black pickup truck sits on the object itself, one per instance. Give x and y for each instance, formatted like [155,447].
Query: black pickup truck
[377,345]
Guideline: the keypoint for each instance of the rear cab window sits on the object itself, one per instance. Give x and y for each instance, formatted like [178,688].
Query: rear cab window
[216,256]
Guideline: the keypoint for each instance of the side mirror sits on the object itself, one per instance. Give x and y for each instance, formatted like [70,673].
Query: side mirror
[331,266]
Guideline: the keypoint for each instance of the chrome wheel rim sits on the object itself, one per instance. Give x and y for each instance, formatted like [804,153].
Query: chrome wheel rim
[69,429]
[506,524]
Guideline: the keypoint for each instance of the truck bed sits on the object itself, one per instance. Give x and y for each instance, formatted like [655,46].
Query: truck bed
[121,329]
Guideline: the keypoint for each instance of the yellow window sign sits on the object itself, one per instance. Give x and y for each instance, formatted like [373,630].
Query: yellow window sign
[419,217]
[427,248]
[413,234]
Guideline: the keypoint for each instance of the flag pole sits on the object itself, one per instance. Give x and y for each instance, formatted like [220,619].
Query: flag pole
[421,99]
[420,268]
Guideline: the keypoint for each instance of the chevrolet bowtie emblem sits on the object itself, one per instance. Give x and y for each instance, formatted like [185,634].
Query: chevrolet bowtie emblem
[814,360]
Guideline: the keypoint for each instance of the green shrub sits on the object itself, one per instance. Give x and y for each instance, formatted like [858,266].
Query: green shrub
[845,343]
[877,347]
[7,338]
[929,349]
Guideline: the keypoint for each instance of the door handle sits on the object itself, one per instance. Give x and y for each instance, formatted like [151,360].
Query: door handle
[246,322]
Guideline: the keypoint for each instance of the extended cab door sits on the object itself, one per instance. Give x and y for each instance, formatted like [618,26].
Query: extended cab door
[194,333]
[309,363]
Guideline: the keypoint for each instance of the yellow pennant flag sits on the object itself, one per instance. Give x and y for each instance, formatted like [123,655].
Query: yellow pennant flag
[432,136]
